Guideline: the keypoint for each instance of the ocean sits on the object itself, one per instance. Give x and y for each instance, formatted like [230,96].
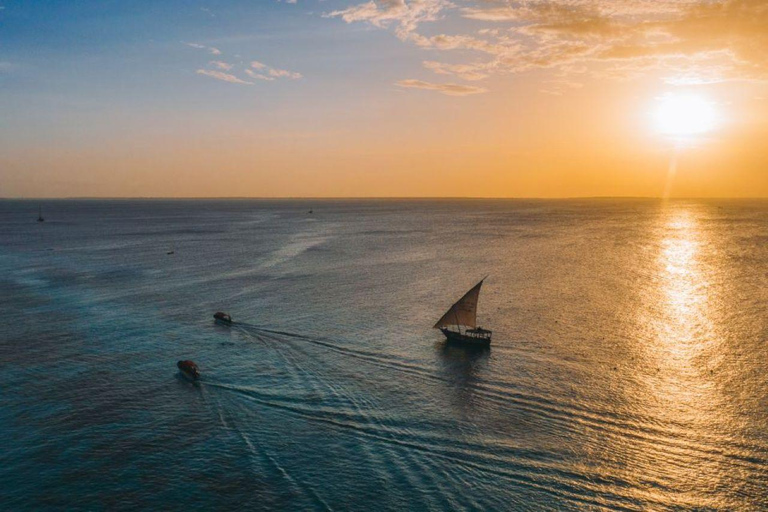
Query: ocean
[628,369]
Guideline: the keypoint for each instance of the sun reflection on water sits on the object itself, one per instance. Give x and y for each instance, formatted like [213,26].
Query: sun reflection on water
[680,346]
[683,291]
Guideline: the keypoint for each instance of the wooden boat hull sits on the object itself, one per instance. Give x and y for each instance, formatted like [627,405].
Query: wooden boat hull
[192,377]
[222,318]
[457,338]
[189,370]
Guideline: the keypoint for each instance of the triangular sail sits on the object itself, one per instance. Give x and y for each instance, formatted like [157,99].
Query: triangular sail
[464,312]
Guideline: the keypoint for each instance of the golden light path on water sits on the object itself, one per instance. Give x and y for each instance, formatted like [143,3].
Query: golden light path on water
[683,345]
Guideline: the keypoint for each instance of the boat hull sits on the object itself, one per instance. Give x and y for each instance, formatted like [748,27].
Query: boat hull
[457,338]
[193,377]
[222,318]
[188,370]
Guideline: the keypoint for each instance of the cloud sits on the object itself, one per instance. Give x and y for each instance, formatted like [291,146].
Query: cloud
[471,72]
[458,42]
[270,73]
[738,26]
[256,70]
[404,15]
[258,76]
[220,75]
[688,41]
[211,49]
[449,89]
[221,65]
[283,73]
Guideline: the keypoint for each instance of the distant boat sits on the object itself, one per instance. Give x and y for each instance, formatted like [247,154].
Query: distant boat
[40,215]
[222,318]
[310,210]
[188,369]
[463,314]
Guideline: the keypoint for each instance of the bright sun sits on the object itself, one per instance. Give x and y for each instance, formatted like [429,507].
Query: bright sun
[684,115]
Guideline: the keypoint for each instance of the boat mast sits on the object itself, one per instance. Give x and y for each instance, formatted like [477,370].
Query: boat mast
[458,325]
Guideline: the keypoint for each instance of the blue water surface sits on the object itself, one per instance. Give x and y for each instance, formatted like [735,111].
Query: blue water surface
[627,371]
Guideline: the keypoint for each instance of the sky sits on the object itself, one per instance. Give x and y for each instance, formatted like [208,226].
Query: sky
[383,98]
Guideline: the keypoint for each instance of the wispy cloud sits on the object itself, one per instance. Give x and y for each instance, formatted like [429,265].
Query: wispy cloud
[220,75]
[284,73]
[224,71]
[258,76]
[404,15]
[210,49]
[221,65]
[448,89]
[270,73]
[608,38]
[471,72]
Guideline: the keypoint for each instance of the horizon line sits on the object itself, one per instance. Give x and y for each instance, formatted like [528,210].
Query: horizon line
[336,198]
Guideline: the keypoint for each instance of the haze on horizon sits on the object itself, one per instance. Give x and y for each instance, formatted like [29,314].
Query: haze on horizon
[382,98]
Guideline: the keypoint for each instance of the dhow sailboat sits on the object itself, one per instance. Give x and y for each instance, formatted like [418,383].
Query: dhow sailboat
[459,323]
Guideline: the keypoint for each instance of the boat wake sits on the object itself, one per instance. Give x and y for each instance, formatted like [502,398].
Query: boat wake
[392,401]
[231,423]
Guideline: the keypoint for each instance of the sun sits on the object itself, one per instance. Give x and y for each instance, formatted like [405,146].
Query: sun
[685,115]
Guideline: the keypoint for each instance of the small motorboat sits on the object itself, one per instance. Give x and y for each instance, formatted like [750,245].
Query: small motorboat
[222,318]
[189,369]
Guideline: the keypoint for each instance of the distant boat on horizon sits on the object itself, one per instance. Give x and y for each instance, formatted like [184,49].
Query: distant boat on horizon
[463,314]
[40,215]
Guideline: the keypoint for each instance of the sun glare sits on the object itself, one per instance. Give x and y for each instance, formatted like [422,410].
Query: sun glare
[684,115]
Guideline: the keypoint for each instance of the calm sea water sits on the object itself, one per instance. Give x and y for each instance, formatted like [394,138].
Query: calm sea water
[628,369]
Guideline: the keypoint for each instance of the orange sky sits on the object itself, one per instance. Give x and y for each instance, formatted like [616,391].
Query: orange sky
[390,98]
